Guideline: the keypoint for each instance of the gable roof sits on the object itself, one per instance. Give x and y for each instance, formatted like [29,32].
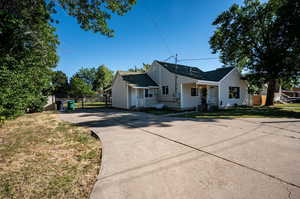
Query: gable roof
[218,74]
[137,79]
[196,73]
[183,70]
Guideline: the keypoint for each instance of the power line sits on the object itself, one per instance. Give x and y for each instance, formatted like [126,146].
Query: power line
[198,59]
[184,60]
[169,58]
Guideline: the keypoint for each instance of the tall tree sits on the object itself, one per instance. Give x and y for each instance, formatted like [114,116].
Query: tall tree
[88,75]
[90,14]
[27,55]
[80,89]
[60,84]
[104,77]
[93,14]
[262,38]
[28,45]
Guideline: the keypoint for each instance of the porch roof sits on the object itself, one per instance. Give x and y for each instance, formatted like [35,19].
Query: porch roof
[136,79]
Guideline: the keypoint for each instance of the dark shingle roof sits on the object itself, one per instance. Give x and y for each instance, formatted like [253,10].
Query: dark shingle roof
[183,70]
[138,79]
[218,74]
[196,73]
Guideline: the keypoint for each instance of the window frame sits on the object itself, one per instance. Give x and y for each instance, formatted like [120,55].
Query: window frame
[194,92]
[234,92]
[146,93]
[165,90]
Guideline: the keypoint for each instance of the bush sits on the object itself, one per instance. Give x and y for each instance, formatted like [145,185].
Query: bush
[213,108]
[26,60]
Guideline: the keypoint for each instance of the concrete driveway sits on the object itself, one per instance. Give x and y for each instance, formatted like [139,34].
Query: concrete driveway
[149,157]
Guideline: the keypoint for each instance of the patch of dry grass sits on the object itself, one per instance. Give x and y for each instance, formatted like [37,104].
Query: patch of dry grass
[43,157]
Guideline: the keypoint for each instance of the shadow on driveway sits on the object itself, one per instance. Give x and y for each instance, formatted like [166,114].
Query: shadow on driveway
[108,117]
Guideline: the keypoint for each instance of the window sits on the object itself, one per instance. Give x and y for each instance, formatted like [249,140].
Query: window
[140,94]
[234,92]
[194,92]
[148,93]
[165,90]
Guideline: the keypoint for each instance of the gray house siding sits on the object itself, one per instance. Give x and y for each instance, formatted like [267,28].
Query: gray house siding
[233,79]
[165,78]
[120,93]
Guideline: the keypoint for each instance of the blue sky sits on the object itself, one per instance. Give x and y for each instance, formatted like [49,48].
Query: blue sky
[152,30]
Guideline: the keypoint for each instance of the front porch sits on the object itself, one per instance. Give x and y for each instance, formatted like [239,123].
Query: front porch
[199,94]
[142,97]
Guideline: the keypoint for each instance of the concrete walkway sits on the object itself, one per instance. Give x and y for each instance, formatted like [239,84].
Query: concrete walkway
[146,156]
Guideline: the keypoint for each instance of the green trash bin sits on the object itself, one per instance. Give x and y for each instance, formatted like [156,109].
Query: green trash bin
[71,105]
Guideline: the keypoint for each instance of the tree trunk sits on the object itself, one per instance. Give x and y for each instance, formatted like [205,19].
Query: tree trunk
[270,92]
[82,103]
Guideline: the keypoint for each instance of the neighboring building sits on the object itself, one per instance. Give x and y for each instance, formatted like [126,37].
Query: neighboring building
[180,87]
[133,89]
[50,103]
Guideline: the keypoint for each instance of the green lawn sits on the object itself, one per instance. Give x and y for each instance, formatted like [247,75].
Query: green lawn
[277,111]
[89,105]
[289,107]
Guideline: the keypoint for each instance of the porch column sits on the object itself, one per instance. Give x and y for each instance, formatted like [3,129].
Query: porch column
[128,98]
[219,96]
[207,94]
[181,96]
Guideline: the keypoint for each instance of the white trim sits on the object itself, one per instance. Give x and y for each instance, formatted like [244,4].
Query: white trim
[128,97]
[109,88]
[211,83]
[219,97]
[181,95]
[144,87]
[229,74]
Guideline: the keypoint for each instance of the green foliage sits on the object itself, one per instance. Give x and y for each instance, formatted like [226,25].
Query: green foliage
[27,54]
[144,69]
[60,84]
[88,75]
[104,78]
[290,84]
[28,47]
[262,38]
[79,88]
[93,15]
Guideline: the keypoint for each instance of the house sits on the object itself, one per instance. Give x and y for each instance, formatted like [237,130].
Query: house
[179,87]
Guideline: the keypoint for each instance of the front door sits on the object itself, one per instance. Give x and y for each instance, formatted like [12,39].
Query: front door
[204,95]
[140,97]
[204,106]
